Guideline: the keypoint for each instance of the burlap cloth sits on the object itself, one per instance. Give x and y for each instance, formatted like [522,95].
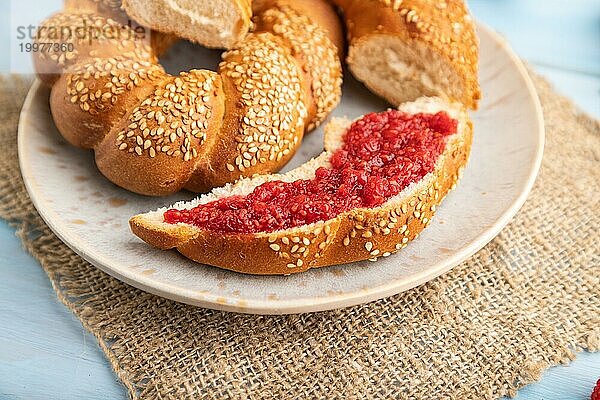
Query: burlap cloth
[530,299]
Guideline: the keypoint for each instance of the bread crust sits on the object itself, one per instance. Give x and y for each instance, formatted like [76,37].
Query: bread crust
[243,9]
[155,134]
[359,234]
[289,19]
[446,29]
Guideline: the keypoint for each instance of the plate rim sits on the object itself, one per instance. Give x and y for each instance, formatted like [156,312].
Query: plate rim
[303,305]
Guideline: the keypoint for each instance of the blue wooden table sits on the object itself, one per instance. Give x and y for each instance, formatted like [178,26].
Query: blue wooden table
[46,354]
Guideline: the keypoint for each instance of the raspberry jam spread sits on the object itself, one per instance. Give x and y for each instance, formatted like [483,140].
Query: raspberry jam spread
[382,154]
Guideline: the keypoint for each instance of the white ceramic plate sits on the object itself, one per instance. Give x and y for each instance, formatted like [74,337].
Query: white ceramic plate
[91,215]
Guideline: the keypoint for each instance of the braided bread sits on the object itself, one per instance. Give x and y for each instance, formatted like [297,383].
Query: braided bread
[375,188]
[154,133]
[404,49]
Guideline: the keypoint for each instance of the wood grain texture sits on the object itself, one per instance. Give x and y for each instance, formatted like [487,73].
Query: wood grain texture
[46,354]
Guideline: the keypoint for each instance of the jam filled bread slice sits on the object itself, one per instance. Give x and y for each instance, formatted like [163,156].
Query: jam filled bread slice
[374,189]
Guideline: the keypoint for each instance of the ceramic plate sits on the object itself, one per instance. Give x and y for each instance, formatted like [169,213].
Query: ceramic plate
[91,215]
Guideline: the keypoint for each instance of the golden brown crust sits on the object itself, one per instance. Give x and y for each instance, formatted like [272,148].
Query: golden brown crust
[445,27]
[111,8]
[316,47]
[269,108]
[92,98]
[168,240]
[245,7]
[173,138]
[50,65]
[360,234]
[154,133]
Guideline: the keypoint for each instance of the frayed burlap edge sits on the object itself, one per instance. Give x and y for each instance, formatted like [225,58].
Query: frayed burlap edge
[527,301]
